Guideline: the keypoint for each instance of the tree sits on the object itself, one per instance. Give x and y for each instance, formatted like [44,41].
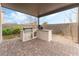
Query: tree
[45,23]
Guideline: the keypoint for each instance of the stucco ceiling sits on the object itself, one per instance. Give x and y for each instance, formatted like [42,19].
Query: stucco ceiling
[39,9]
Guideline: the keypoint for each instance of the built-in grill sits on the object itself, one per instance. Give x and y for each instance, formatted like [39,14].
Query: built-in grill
[28,34]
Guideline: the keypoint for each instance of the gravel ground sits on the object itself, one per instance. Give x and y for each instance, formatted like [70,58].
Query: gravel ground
[37,47]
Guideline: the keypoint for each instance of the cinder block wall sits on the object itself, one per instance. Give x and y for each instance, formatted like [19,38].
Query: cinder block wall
[64,29]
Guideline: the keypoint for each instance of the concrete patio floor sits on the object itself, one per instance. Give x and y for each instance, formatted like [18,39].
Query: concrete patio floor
[37,47]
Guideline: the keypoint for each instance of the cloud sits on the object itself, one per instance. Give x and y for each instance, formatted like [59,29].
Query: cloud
[17,17]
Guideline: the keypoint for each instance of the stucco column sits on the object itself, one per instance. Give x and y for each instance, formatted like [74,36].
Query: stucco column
[78,23]
[1,17]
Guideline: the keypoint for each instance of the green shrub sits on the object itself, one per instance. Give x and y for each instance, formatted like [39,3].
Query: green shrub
[12,30]
[7,31]
[16,31]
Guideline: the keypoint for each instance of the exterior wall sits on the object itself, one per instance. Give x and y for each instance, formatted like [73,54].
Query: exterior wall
[64,29]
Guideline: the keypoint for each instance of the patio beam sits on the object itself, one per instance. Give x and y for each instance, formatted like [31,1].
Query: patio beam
[1,18]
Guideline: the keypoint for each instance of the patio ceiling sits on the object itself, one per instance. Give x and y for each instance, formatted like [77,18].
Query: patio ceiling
[39,9]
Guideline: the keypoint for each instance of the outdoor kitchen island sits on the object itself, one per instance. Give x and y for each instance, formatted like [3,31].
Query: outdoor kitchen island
[29,34]
[45,34]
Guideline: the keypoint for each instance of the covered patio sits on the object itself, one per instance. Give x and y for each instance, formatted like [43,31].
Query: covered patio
[38,47]
[49,45]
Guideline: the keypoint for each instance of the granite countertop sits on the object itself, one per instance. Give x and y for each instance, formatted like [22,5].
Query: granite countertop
[45,30]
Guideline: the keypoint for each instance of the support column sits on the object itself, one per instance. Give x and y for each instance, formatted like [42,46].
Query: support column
[1,18]
[78,24]
[38,23]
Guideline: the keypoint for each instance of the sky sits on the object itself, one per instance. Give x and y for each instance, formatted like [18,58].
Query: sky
[61,17]
[11,16]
